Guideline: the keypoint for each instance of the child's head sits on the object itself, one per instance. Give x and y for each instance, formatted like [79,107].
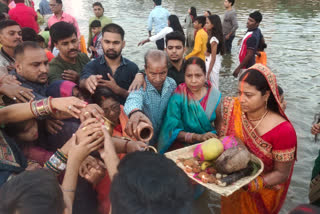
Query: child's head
[282,100]
[262,44]
[41,41]
[26,131]
[199,22]
[95,27]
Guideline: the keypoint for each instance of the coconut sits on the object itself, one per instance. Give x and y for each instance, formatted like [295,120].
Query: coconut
[233,159]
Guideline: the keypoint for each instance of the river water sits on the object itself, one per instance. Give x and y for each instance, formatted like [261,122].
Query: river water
[291,29]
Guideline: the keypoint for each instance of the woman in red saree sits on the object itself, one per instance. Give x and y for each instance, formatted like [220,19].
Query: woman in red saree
[256,117]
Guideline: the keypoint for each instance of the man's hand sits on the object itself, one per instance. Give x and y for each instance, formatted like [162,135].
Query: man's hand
[10,79]
[53,126]
[315,129]
[236,72]
[70,75]
[143,42]
[92,48]
[17,93]
[138,82]
[111,83]
[92,82]
[227,37]
[134,120]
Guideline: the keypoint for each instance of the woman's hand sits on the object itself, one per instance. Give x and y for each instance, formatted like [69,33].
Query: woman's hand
[315,129]
[70,105]
[91,111]
[204,137]
[134,146]
[92,169]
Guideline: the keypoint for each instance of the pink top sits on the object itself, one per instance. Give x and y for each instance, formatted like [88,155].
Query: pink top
[25,16]
[64,18]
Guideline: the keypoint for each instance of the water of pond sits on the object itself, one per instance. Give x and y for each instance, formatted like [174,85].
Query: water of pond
[292,35]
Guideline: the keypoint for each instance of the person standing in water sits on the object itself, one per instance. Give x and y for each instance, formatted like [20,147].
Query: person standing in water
[159,18]
[229,25]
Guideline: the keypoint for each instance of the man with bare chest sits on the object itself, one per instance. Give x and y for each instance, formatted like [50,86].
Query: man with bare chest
[111,70]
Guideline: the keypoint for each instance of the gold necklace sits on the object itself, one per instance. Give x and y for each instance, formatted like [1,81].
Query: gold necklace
[265,114]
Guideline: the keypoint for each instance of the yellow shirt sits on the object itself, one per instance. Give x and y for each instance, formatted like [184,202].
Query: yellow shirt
[200,45]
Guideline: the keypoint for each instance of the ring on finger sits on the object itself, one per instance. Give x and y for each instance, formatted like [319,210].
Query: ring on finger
[70,107]
[84,128]
[86,113]
[21,92]
[14,98]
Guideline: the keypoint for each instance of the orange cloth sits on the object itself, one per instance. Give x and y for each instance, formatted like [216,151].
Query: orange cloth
[262,58]
[83,46]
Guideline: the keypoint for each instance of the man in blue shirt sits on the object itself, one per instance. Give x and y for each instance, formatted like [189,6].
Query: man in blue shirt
[153,101]
[110,70]
[159,18]
[44,8]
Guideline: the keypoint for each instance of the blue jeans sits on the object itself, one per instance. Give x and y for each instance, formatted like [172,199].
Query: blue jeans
[228,44]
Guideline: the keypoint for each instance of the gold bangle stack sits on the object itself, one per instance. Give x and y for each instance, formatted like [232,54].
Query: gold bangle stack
[42,107]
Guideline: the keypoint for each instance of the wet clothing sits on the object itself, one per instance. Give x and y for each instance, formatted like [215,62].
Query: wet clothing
[250,41]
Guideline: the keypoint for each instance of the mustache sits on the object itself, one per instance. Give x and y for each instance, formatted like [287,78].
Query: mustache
[73,50]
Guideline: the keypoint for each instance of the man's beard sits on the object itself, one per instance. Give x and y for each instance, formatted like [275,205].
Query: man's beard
[175,60]
[112,54]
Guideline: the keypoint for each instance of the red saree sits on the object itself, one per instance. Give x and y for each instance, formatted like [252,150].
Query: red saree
[279,144]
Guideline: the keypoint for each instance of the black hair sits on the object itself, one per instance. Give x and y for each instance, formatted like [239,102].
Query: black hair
[175,23]
[113,28]
[164,189]
[232,2]
[2,17]
[7,23]
[97,4]
[280,90]
[102,93]
[176,35]
[35,191]
[197,61]
[157,2]
[95,23]
[40,39]
[208,11]
[59,1]
[216,31]
[201,20]
[18,1]
[28,34]
[193,13]
[262,44]
[256,15]
[23,46]
[255,78]
[61,30]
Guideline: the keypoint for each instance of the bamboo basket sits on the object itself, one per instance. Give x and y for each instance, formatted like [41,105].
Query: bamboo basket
[187,152]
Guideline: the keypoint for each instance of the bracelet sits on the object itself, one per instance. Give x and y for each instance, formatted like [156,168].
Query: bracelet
[134,111]
[42,107]
[188,137]
[61,156]
[68,190]
[126,146]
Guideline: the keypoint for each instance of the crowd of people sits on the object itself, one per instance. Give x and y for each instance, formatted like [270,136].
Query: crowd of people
[71,112]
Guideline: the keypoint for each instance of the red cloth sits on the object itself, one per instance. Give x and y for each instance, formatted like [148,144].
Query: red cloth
[50,56]
[25,16]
